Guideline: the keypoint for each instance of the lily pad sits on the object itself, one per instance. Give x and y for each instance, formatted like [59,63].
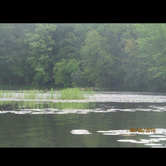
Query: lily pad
[162,139]
[80,132]
[110,134]
[156,135]
[127,135]
[153,144]
[126,140]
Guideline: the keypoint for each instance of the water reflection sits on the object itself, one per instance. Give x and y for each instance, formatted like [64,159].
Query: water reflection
[48,107]
[20,105]
[103,123]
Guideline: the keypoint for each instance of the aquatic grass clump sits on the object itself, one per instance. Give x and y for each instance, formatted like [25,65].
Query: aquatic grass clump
[26,95]
[71,94]
[5,94]
[52,92]
[65,94]
[32,94]
[74,105]
[1,94]
[16,105]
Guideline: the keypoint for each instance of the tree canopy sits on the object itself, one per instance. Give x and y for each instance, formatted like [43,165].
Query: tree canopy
[109,56]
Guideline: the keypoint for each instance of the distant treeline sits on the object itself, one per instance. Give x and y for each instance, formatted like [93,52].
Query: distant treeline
[111,56]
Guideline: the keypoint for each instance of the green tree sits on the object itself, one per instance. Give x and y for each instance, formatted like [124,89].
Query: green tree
[63,71]
[21,68]
[114,33]
[151,48]
[7,54]
[131,63]
[41,46]
[97,62]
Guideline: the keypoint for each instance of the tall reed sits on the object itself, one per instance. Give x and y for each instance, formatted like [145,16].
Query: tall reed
[69,93]
[1,94]
[73,94]
[52,95]
[74,105]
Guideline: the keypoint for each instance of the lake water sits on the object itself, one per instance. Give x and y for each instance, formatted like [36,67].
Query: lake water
[104,122]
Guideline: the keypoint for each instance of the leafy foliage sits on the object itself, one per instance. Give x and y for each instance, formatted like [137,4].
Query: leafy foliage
[96,60]
[111,56]
[63,71]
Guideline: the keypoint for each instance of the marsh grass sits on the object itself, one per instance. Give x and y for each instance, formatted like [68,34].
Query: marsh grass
[37,94]
[14,95]
[26,95]
[65,94]
[19,94]
[74,105]
[1,94]
[52,93]
[41,95]
[16,105]
[7,94]
[32,94]
[73,94]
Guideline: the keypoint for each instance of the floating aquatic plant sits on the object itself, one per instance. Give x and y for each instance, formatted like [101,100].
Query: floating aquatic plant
[80,132]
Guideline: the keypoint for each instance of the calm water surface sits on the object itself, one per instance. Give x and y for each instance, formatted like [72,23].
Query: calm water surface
[106,125]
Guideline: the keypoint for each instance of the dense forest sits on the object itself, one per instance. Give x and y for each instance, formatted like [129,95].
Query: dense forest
[107,56]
